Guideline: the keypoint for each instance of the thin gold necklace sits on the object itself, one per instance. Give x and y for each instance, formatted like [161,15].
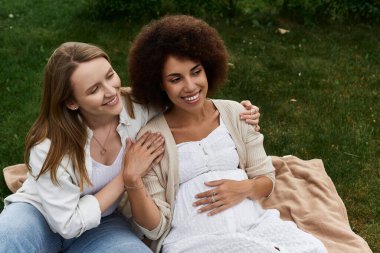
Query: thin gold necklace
[103,146]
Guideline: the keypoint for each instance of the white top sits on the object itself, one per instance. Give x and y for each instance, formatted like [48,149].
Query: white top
[103,174]
[214,157]
[65,209]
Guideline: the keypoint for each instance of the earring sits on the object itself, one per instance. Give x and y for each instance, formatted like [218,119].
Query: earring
[74,108]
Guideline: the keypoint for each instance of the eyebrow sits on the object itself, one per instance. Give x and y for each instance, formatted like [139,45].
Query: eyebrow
[196,66]
[176,74]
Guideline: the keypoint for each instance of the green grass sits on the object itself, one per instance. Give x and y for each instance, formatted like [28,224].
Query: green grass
[317,87]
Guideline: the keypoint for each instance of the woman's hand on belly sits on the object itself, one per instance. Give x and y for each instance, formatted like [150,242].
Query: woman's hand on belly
[224,194]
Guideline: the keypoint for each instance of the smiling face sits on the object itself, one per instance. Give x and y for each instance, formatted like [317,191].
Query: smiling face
[96,90]
[185,83]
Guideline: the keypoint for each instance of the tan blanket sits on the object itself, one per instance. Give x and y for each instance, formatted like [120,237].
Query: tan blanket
[304,193]
[15,175]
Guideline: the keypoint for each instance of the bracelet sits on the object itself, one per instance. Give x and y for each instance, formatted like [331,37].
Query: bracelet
[127,187]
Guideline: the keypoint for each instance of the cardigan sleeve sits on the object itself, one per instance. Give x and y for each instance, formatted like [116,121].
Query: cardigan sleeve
[157,192]
[258,163]
[254,159]
[155,183]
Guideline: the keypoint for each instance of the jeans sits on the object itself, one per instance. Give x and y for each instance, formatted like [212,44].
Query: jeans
[24,229]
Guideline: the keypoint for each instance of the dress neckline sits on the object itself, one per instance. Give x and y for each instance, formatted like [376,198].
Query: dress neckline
[221,124]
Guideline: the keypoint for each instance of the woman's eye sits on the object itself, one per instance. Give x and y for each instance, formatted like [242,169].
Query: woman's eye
[110,75]
[175,80]
[197,72]
[95,89]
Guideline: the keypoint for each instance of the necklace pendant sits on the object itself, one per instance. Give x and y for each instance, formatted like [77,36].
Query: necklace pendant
[103,151]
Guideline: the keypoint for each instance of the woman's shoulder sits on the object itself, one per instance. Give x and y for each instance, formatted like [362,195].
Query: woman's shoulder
[41,147]
[40,151]
[156,124]
[38,154]
[229,111]
[228,105]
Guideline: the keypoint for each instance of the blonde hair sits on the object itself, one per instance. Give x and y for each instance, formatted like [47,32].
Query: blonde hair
[66,131]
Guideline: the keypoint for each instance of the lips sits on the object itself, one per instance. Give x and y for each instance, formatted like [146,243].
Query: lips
[113,101]
[192,98]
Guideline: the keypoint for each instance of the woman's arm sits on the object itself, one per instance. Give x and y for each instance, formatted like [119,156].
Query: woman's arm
[110,193]
[226,193]
[138,161]
[66,212]
[260,171]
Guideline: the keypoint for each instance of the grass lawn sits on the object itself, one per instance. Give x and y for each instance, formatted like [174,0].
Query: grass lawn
[318,89]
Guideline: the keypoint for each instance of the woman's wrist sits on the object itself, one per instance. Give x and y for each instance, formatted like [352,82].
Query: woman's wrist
[127,187]
[250,188]
[261,187]
[133,183]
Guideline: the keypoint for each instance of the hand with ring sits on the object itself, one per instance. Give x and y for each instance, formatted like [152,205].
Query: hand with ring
[251,115]
[213,199]
[224,194]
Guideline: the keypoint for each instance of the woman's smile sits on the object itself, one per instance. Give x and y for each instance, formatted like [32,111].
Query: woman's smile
[192,98]
[113,101]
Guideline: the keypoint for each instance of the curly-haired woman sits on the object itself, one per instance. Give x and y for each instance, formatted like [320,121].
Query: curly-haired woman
[214,169]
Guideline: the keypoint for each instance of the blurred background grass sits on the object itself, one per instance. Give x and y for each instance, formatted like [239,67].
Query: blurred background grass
[317,85]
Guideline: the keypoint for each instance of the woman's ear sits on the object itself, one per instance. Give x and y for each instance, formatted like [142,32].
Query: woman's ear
[72,105]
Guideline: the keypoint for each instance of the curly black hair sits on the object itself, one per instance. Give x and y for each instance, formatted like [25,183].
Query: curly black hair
[176,35]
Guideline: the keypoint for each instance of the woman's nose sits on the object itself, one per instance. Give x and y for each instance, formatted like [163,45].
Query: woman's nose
[109,90]
[190,84]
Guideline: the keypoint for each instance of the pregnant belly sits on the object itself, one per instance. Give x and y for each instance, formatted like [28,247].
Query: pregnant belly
[187,221]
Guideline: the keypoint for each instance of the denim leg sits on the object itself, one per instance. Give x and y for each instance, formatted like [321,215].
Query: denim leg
[112,235]
[24,229]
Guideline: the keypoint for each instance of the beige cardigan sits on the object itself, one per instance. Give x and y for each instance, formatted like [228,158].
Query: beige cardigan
[163,181]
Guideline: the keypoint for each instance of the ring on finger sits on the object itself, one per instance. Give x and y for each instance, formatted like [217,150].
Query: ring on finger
[213,200]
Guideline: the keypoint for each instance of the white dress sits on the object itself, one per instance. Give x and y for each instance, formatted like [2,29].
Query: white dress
[245,227]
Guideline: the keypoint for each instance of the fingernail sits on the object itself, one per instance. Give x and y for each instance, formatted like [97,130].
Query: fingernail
[194,204]
[199,210]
